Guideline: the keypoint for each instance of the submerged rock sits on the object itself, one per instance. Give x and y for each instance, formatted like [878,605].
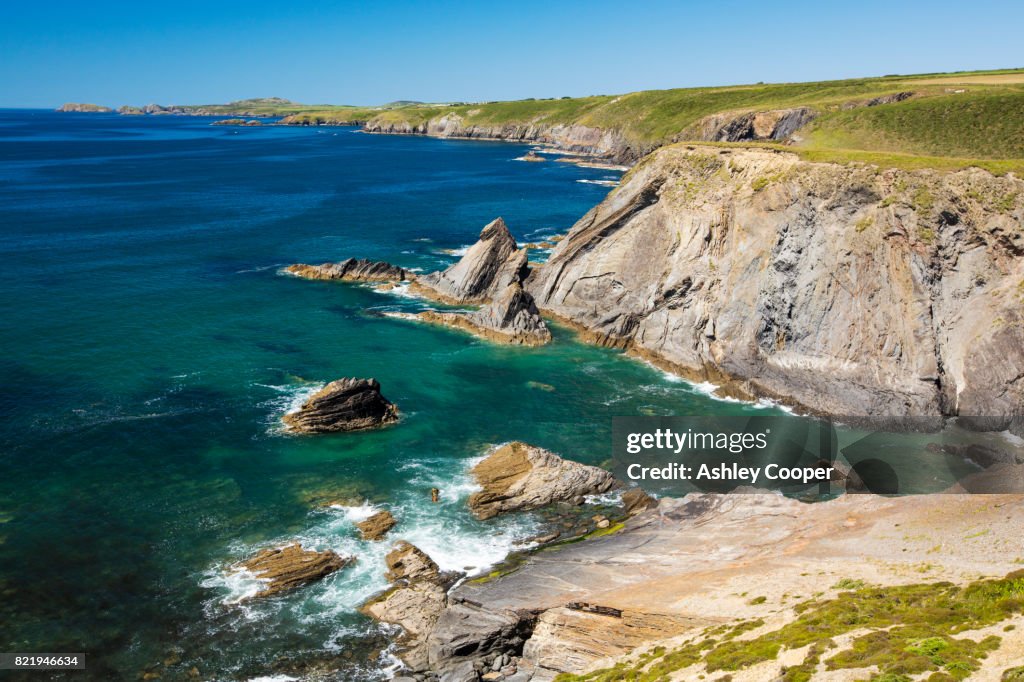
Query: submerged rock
[291,566]
[343,405]
[488,267]
[352,270]
[519,477]
[377,526]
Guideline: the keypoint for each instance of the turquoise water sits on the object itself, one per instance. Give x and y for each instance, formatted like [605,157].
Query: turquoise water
[150,348]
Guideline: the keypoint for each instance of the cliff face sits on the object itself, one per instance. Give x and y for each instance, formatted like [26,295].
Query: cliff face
[570,137]
[845,290]
[609,142]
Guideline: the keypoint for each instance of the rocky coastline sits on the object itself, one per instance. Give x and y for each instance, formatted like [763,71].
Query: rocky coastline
[766,274]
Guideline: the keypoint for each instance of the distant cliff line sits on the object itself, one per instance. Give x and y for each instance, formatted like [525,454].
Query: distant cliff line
[944,121]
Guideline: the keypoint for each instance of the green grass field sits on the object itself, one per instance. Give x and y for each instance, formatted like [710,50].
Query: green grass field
[953,120]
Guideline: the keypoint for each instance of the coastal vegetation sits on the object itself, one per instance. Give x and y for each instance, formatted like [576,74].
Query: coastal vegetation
[896,632]
[944,121]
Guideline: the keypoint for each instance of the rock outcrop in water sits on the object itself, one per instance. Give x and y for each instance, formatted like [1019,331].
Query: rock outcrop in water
[847,290]
[343,405]
[490,265]
[491,273]
[415,602]
[352,270]
[377,526]
[289,567]
[519,477]
[512,317]
[237,122]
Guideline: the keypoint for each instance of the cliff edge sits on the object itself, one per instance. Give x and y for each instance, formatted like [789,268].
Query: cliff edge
[847,290]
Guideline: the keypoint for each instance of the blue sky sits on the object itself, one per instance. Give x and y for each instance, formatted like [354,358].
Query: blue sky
[374,52]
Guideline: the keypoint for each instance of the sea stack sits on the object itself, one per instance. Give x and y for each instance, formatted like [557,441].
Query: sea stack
[491,273]
[520,477]
[488,267]
[511,318]
[343,405]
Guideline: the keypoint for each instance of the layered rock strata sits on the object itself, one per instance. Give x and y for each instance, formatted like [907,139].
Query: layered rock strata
[377,526]
[343,405]
[491,274]
[286,568]
[519,477]
[847,290]
[352,270]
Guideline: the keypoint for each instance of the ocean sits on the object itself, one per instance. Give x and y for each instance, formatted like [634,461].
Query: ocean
[150,347]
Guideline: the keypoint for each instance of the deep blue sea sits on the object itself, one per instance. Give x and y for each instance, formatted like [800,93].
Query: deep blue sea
[150,347]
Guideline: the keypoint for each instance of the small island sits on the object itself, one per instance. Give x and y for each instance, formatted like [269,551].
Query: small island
[84,108]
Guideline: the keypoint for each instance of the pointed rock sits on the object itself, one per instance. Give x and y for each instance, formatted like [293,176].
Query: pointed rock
[488,267]
[343,405]
[512,315]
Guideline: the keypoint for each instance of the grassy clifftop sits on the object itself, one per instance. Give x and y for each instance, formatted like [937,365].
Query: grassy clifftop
[940,120]
[945,120]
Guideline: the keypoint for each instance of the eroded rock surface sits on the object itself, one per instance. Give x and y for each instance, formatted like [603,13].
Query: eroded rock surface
[847,290]
[490,265]
[636,500]
[343,405]
[377,526]
[415,602]
[512,317]
[352,270]
[286,568]
[519,477]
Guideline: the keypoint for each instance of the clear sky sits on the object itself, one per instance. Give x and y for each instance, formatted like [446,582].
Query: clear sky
[187,52]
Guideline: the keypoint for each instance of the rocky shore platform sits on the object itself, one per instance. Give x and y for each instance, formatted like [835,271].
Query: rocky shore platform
[746,564]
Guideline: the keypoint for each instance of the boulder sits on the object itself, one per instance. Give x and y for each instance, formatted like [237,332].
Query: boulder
[377,526]
[518,477]
[352,270]
[343,405]
[488,267]
[465,632]
[635,500]
[291,566]
[409,563]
